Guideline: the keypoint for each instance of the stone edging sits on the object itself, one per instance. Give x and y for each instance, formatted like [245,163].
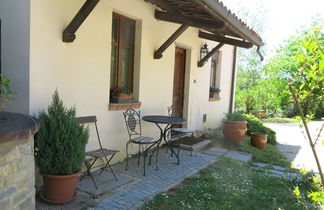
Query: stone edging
[16,126]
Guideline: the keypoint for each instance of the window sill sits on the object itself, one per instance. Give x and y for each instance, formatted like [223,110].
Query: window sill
[124,106]
[217,98]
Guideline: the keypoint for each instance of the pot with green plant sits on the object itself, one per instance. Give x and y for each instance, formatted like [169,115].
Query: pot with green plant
[214,92]
[60,151]
[120,95]
[258,140]
[234,127]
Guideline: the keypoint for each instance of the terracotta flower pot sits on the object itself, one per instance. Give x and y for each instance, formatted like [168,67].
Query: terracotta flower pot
[214,94]
[234,130]
[123,96]
[59,189]
[258,140]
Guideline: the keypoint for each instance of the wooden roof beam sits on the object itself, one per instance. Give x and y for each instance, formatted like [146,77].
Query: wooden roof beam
[225,40]
[164,6]
[190,21]
[79,18]
[158,53]
[202,62]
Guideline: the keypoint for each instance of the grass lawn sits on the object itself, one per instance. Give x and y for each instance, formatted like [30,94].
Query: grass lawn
[269,154]
[280,120]
[232,184]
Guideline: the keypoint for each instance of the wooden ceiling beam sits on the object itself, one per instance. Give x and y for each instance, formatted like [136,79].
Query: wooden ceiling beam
[164,6]
[79,18]
[158,53]
[190,21]
[225,40]
[202,62]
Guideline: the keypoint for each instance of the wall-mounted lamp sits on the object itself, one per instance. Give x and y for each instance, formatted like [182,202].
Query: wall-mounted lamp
[203,51]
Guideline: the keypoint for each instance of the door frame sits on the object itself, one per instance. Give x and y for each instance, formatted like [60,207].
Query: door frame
[186,92]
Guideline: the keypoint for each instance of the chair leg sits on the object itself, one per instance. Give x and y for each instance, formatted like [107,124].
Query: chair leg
[157,154]
[108,165]
[144,154]
[139,154]
[126,156]
[88,172]
[178,154]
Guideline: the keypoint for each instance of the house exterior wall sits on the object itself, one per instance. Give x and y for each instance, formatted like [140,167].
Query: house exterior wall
[80,70]
[14,17]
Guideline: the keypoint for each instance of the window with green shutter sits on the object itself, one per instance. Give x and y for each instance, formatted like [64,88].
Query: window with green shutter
[122,53]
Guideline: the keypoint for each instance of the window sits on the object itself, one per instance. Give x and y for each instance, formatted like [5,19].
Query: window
[122,53]
[213,69]
[214,77]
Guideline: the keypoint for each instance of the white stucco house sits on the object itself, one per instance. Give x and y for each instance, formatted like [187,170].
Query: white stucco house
[85,48]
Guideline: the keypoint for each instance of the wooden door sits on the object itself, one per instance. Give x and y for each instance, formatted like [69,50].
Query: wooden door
[179,81]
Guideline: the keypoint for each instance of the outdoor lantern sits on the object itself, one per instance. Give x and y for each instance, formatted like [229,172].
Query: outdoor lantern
[203,51]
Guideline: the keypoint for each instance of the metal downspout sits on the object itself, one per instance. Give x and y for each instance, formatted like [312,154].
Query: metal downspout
[231,106]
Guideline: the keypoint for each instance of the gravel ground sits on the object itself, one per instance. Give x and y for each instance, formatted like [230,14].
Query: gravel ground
[292,141]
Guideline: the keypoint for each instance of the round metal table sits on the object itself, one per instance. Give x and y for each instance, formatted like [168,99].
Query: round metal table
[169,121]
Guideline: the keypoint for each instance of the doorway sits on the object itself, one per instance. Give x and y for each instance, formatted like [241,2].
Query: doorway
[179,81]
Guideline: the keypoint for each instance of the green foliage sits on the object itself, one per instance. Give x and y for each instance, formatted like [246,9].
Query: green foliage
[254,125]
[61,140]
[233,185]
[265,86]
[5,91]
[214,89]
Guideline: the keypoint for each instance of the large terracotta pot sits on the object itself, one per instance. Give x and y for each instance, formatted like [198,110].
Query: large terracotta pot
[234,130]
[59,189]
[258,140]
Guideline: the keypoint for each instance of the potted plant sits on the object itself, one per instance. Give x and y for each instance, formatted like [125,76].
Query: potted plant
[214,92]
[118,95]
[234,128]
[60,151]
[258,140]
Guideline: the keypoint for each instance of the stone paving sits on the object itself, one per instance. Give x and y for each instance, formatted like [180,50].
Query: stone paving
[168,175]
[142,188]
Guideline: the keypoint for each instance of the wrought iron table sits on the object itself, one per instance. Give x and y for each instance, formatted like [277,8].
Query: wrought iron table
[169,121]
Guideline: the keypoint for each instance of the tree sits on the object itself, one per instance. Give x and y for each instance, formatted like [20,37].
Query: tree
[307,82]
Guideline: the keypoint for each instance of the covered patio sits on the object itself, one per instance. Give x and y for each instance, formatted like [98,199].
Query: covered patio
[132,188]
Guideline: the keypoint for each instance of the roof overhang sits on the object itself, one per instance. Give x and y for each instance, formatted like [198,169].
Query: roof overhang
[210,16]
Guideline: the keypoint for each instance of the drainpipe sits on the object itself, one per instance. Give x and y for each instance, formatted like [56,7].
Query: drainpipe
[231,106]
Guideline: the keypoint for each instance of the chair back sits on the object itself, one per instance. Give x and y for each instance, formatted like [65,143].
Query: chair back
[174,111]
[91,120]
[133,122]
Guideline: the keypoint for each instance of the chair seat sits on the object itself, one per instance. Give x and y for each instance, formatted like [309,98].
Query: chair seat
[143,140]
[100,153]
[181,130]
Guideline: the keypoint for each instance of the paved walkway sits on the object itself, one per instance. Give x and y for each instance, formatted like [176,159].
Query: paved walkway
[167,176]
[133,189]
[292,143]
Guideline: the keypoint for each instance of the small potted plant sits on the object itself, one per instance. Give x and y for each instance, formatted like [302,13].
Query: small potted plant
[60,151]
[214,92]
[234,128]
[258,137]
[118,95]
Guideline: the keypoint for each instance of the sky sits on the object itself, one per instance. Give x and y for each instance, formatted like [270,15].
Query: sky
[282,17]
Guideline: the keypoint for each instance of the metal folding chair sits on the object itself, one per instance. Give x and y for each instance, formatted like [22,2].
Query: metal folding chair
[177,133]
[134,129]
[98,153]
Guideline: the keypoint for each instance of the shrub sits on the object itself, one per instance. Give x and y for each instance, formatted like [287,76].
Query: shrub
[61,140]
[254,125]
[5,91]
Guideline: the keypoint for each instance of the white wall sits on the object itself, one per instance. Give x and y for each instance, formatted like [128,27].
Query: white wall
[81,70]
[14,17]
